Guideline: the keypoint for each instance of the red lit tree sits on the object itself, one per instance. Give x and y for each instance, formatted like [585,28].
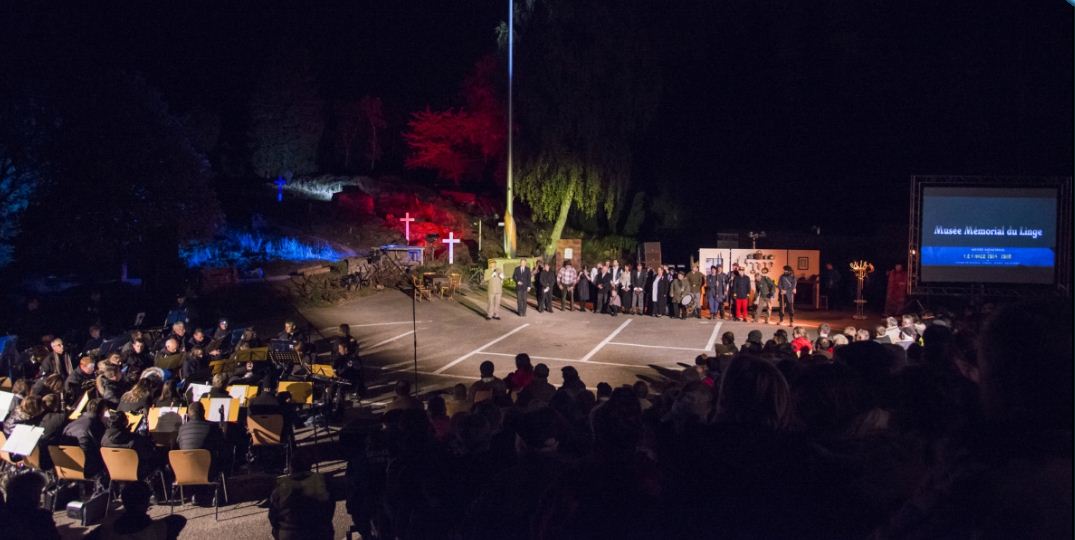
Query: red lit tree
[465,144]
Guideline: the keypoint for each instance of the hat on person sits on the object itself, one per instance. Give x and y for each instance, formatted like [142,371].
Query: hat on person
[754,337]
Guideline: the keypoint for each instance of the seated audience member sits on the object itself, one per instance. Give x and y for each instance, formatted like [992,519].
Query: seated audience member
[862,334]
[119,435]
[642,393]
[80,379]
[300,506]
[403,399]
[438,416]
[799,342]
[138,399]
[573,385]
[539,390]
[523,374]
[29,411]
[880,335]
[1010,477]
[458,402]
[753,344]
[489,386]
[22,515]
[135,522]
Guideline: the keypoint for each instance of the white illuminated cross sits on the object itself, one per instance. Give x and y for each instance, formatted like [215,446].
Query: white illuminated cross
[407,226]
[451,241]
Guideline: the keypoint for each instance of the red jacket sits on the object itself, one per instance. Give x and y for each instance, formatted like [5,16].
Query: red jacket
[800,343]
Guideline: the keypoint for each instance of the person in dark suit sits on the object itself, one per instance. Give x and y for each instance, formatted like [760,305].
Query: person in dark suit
[603,284]
[523,281]
[87,432]
[546,279]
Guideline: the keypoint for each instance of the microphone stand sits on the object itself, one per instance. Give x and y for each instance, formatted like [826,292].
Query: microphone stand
[414,326]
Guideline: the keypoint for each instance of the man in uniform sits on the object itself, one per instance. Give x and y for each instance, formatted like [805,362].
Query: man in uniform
[716,285]
[522,279]
[695,279]
[786,286]
[764,291]
[495,288]
[680,289]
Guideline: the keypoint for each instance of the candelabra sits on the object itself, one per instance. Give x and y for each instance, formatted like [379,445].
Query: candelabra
[861,270]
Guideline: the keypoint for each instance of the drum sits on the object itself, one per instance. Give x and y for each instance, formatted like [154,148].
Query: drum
[687,300]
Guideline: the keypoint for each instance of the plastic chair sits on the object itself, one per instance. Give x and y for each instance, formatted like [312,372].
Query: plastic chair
[268,430]
[122,466]
[191,468]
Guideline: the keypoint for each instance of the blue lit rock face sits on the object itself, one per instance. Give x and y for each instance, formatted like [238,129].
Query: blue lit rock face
[241,248]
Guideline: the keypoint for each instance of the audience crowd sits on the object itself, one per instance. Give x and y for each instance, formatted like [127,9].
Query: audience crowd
[935,427]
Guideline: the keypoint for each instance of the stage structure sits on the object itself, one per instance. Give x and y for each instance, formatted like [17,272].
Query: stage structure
[804,263]
[998,236]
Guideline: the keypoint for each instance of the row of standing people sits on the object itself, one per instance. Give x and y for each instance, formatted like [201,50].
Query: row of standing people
[639,290]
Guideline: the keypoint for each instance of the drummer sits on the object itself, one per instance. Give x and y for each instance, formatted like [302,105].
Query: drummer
[681,295]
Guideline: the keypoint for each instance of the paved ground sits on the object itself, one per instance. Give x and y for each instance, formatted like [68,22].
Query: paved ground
[453,337]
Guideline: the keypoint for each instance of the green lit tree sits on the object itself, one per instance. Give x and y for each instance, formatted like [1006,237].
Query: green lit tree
[286,118]
[588,86]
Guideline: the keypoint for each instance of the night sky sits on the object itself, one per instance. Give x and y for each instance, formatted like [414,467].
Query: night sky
[773,114]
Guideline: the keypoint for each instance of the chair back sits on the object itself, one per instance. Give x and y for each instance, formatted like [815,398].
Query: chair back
[122,464]
[191,467]
[265,429]
[69,461]
[301,392]
[34,459]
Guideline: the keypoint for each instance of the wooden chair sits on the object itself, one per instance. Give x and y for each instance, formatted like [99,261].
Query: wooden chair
[268,430]
[69,463]
[448,288]
[421,291]
[122,465]
[191,468]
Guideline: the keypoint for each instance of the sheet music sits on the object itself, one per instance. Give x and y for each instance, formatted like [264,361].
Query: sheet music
[168,419]
[23,439]
[199,390]
[215,405]
[5,403]
[238,392]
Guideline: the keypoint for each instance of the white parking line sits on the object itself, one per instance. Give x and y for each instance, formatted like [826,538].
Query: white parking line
[532,357]
[572,360]
[337,327]
[389,340]
[479,349]
[713,337]
[654,346]
[398,364]
[605,341]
